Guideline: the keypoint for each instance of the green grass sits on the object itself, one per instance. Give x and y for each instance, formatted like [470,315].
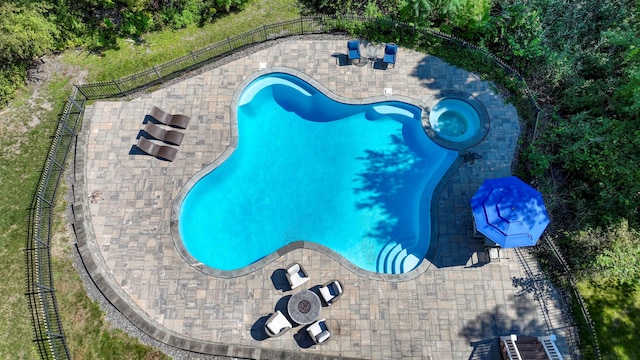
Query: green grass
[616,314]
[20,166]
[28,137]
[26,127]
[160,47]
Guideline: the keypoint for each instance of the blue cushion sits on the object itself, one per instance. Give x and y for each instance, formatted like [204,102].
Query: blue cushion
[354,49]
[390,53]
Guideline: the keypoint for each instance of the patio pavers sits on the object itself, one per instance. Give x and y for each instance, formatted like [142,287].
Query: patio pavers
[454,310]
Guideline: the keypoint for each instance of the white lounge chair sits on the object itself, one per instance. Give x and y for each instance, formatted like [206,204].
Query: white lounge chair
[319,331]
[331,291]
[296,275]
[277,324]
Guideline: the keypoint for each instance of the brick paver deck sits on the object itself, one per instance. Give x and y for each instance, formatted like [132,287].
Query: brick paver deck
[453,310]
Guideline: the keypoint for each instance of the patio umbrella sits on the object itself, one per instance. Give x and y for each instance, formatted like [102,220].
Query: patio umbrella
[509,212]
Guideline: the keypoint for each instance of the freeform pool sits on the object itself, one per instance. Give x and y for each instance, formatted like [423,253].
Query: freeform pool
[355,178]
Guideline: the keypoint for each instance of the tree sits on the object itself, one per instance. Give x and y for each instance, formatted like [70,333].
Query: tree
[24,33]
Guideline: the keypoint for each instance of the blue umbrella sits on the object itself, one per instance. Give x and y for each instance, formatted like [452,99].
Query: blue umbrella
[509,212]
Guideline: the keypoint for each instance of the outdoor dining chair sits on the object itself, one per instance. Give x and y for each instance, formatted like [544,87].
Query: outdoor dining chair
[277,324]
[331,291]
[319,331]
[390,52]
[296,275]
[353,47]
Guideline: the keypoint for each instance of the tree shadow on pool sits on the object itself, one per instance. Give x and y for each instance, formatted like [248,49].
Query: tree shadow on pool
[385,181]
[390,187]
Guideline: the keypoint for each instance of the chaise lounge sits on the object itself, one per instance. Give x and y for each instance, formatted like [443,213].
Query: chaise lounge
[159,151]
[173,120]
[277,324]
[296,275]
[168,136]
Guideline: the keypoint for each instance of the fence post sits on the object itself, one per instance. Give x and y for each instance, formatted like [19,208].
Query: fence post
[118,87]
[193,56]
[264,30]
[229,44]
[157,72]
[301,26]
[81,92]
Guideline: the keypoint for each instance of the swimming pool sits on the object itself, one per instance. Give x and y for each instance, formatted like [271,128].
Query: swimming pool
[355,178]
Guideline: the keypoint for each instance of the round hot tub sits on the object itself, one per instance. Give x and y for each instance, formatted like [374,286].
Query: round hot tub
[456,120]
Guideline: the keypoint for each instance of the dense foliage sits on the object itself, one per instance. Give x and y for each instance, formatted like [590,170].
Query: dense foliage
[29,29]
[24,34]
[582,60]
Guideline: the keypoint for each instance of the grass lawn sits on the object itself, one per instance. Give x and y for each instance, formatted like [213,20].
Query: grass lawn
[616,313]
[160,47]
[25,141]
[28,124]
[26,127]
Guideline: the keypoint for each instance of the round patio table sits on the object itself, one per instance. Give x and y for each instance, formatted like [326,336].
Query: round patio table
[372,51]
[304,307]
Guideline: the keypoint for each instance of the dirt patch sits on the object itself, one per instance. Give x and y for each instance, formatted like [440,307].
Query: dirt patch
[33,101]
[51,66]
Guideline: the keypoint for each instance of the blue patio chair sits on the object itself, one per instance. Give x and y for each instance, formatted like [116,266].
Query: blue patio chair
[390,52]
[353,47]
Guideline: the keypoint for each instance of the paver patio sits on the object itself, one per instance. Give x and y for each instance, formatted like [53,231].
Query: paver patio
[453,309]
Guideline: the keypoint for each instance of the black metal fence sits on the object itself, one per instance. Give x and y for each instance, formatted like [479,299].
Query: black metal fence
[47,327]
[48,332]
[171,69]
[556,265]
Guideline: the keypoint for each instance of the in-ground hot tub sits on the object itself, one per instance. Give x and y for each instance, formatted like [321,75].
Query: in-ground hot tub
[455,120]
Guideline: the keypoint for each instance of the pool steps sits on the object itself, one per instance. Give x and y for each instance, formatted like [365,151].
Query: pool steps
[396,258]
[410,262]
[382,257]
[397,261]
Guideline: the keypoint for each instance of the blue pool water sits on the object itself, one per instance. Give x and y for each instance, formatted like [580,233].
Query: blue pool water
[357,179]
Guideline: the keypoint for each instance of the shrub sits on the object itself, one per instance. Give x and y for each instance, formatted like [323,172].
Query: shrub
[609,256]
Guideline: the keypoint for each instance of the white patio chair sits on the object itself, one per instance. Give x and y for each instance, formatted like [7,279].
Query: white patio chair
[296,275]
[277,324]
[331,291]
[319,331]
